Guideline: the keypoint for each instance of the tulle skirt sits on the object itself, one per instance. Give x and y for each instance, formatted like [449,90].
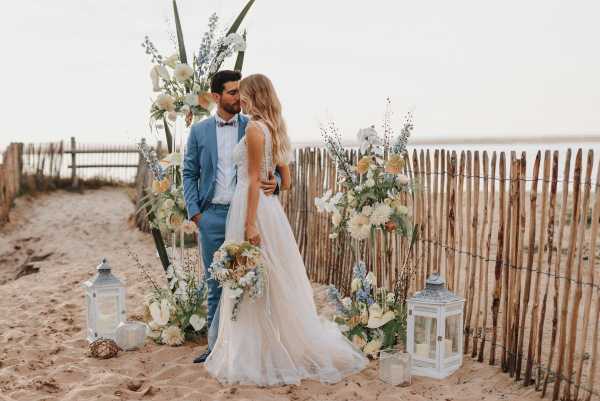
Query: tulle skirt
[277,339]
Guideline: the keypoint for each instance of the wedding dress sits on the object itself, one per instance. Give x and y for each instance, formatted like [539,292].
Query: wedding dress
[277,339]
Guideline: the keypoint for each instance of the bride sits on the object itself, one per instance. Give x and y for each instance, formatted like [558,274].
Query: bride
[279,338]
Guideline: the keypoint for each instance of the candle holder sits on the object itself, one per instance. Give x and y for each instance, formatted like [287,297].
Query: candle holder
[395,367]
[130,335]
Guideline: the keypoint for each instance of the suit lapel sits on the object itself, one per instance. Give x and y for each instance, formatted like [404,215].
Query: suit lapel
[241,127]
[212,142]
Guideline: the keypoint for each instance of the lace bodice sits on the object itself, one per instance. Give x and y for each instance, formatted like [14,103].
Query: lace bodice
[240,156]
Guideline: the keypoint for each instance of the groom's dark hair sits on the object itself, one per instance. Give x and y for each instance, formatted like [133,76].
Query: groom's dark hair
[218,81]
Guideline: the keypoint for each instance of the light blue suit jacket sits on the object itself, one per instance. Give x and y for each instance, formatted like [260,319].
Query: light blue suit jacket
[200,164]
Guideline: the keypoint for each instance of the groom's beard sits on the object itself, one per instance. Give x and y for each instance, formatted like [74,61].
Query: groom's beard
[231,108]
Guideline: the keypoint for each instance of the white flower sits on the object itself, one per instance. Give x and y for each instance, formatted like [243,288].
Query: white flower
[321,203]
[172,336]
[172,159]
[172,60]
[359,227]
[370,183]
[172,115]
[381,214]
[336,218]
[355,285]
[373,347]
[237,41]
[165,102]
[161,313]
[191,99]
[181,202]
[185,109]
[169,204]
[370,278]
[183,72]
[235,293]
[390,298]
[197,322]
[367,210]
[333,236]
[347,302]
[403,179]
[156,72]
[368,137]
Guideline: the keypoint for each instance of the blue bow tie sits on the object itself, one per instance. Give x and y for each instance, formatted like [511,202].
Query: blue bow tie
[232,123]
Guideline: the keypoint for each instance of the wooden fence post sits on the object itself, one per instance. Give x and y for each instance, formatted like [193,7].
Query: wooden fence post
[74,181]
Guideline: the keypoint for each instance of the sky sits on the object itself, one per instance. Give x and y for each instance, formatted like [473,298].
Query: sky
[467,69]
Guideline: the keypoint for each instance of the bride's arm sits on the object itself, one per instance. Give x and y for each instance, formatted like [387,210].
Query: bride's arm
[255,142]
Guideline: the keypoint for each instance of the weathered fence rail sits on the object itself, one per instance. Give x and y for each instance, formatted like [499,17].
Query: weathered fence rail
[522,250]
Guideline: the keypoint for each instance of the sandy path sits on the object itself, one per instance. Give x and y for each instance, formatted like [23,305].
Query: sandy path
[42,345]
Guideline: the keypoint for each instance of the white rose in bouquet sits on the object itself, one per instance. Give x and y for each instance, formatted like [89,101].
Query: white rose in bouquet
[191,99]
[381,214]
[183,72]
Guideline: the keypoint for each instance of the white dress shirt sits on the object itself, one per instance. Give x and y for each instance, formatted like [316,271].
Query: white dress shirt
[227,138]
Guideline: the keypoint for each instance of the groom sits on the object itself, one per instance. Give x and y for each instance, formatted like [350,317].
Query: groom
[209,179]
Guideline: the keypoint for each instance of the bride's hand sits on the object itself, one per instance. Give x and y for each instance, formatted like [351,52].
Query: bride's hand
[252,235]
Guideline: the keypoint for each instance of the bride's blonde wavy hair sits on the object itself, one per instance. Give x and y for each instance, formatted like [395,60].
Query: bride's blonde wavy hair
[262,103]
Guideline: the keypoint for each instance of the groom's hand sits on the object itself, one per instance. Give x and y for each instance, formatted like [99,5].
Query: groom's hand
[269,185]
[196,218]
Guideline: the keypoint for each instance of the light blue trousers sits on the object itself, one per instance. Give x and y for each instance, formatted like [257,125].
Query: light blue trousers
[212,235]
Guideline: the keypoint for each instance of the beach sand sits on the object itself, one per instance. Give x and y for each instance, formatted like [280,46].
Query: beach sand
[54,242]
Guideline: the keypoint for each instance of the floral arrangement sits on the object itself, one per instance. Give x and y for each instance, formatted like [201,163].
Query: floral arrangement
[239,267]
[177,313]
[370,196]
[165,202]
[372,318]
[182,86]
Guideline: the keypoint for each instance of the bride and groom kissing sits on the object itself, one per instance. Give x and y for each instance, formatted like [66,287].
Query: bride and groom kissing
[235,164]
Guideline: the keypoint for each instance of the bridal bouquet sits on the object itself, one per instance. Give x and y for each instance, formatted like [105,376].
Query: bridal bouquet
[183,86]
[372,318]
[239,267]
[371,190]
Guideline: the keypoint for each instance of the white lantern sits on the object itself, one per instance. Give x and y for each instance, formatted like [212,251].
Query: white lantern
[435,330]
[105,299]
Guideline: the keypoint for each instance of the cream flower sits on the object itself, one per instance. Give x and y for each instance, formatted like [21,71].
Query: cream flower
[355,285]
[183,72]
[381,214]
[172,60]
[168,204]
[370,183]
[359,227]
[197,322]
[161,313]
[191,99]
[172,336]
[403,179]
[367,210]
[165,102]
[347,302]
[373,347]
[390,298]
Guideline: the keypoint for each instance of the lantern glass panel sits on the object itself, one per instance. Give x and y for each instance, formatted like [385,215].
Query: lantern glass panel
[425,337]
[108,312]
[452,339]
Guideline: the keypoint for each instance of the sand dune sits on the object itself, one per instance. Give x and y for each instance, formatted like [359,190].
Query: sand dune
[54,243]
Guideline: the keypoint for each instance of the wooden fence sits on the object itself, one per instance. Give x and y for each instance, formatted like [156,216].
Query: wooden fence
[10,179]
[522,250]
